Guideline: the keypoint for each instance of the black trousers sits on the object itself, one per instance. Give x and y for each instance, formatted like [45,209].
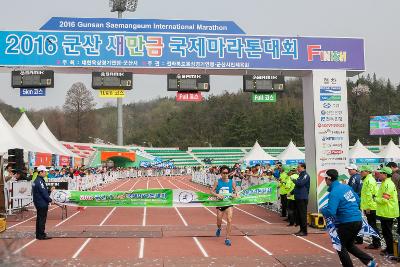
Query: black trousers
[347,233]
[371,218]
[292,212]
[283,205]
[301,206]
[387,226]
[41,218]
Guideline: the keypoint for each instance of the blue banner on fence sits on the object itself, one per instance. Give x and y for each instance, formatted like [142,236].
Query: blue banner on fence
[32,91]
[141,25]
[121,50]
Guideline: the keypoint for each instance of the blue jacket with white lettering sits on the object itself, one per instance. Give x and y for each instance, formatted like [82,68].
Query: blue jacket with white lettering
[343,204]
[40,194]
[302,186]
[355,183]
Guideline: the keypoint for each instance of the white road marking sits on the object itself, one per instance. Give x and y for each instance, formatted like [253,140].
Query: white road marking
[24,246]
[108,215]
[141,248]
[258,245]
[315,244]
[30,218]
[252,215]
[200,247]
[81,248]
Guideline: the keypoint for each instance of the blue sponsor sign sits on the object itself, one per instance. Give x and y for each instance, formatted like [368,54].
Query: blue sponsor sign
[141,25]
[122,50]
[367,161]
[294,161]
[333,90]
[330,97]
[32,92]
[261,162]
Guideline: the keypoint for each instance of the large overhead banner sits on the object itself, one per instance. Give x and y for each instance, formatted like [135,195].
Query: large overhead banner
[159,50]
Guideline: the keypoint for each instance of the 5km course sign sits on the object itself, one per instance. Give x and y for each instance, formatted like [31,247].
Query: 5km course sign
[164,197]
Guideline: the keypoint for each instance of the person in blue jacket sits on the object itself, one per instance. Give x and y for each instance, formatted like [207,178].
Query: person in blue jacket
[41,200]
[300,192]
[344,207]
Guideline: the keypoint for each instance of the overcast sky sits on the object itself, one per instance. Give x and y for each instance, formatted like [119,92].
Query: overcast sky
[376,21]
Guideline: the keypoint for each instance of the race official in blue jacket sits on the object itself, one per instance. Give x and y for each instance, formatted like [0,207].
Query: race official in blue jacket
[344,207]
[300,192]
[41,200]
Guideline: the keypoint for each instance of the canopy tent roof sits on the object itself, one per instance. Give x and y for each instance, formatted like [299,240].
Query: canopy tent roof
[28,132]
[257,153]
[11,139]
[291,152]
[359,151]
[391,151]
[45,132]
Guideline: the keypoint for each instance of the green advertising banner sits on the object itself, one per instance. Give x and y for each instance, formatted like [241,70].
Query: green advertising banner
[164,197]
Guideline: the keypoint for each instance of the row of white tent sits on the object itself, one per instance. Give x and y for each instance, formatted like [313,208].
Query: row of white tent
[292,154]
[25,136]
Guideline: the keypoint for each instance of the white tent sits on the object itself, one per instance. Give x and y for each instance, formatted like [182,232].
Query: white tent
[291,154]
[45,132]
[258,155]
[359,154]
[391,152]
[10,139]
[28,132]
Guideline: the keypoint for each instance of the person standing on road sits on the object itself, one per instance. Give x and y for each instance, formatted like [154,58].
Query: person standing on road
[387,208]
[368,205]
[300,192]
[224,188]
[396,181]
[41,200]
[343,206]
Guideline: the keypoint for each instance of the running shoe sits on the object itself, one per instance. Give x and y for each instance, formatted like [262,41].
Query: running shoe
[228,242]
[218,232]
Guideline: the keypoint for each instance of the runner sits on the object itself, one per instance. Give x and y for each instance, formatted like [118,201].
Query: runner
[224,187]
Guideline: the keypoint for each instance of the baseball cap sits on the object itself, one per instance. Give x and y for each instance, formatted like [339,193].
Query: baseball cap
[366,168]
[386,170]
[42,168]
[352,167]
[286,168]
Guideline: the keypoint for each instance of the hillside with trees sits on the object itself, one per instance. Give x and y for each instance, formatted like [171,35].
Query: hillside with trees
[230,119]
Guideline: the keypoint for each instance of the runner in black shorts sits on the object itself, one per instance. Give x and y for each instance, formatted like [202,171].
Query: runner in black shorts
[224,187]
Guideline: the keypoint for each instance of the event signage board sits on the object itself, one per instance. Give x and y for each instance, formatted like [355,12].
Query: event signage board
[140,25]
[331,126]
[262,193]
[263,97]
[112,93]
[32,91]
[263,83]
[162,50]
[114,80]
[189,97]
[188,82]
[32,79]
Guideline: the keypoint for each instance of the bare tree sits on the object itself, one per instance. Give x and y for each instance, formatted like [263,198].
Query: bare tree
[79,102]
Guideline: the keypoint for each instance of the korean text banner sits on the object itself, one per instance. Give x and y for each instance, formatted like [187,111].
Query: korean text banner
[147,50]
[164,197]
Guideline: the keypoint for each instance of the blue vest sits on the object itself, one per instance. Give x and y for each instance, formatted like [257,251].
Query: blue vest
[224,187]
